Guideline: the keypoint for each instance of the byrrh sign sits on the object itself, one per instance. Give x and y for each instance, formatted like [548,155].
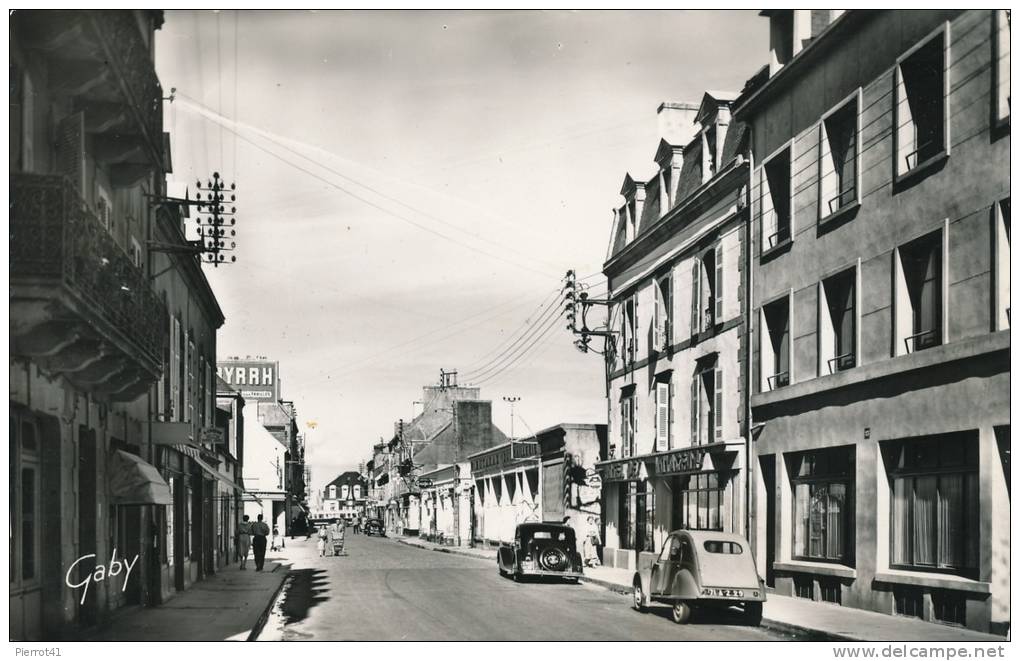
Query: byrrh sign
[254,379]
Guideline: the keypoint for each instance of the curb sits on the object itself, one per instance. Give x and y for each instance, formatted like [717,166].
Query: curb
[264,617]
[440,549]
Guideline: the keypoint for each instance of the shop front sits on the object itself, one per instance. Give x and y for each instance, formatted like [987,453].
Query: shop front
[647,497]
[506,490]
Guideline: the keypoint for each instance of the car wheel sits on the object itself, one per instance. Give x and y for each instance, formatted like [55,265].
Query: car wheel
[640,602]
[752,613]
[681,612]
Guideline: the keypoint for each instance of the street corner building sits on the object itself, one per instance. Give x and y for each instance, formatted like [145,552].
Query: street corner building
[880,269]
[345,497]
[676,363]
[118,451]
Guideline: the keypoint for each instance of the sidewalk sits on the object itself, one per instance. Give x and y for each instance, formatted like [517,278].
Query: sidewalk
[788,614]
[230,605]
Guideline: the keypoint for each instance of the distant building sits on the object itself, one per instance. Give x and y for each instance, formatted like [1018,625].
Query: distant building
[345,496]
[880,270]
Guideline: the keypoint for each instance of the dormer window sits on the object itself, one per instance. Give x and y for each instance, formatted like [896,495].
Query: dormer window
[709,153]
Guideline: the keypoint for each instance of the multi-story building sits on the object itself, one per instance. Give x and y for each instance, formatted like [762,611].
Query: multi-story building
[112,340]
[230,421]
[345,496]
[880,270]
[677,436]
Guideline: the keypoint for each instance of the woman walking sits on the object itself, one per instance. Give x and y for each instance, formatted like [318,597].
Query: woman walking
[244,540]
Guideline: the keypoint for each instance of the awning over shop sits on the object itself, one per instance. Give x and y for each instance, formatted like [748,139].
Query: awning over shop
[136,482]
[382,480]
[173,433]
[208,468]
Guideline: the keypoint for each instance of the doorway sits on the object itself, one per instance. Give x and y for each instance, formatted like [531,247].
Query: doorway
[87,529]
[768,477]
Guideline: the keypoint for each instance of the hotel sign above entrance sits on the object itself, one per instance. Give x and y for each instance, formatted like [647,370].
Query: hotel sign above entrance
[680,462]
[677,462]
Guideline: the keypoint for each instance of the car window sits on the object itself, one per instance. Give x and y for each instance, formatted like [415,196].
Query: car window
[685,552]
[675,550]
[545,534]
[717,546]
[665,553]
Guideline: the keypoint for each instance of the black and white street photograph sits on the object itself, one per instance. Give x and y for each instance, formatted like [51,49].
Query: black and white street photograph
[496,325]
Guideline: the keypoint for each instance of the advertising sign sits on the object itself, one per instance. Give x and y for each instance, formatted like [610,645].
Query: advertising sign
[424,482]
[256,380]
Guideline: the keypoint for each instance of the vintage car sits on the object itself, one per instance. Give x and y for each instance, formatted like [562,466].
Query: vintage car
[541,549]
[375,527]
[698,568]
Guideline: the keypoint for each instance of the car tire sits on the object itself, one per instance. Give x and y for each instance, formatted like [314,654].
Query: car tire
[682,612]
[640,598]
[752,613]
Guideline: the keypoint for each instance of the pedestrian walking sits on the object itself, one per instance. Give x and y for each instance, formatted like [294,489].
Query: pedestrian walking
[274,540]
[357,526]
[323,539]
[244,540]
[259,531]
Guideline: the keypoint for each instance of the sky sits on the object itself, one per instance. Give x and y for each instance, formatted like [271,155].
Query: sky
[413,185]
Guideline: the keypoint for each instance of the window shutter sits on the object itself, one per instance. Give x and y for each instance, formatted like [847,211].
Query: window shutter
[661,415]
[695,401]
[718,282]
[624,425]
[634,328]
[634,417]
[766,213]
[719,399]
[670,307]
[175,369]
[669,410]
[695,297]
[71,150]
[657,331]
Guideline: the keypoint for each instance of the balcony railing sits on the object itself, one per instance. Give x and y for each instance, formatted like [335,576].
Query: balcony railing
[779,380]
[54,238]
[923,340]
[841,362]
[844,198]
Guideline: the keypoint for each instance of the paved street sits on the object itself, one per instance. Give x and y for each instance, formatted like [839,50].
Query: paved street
[384,590]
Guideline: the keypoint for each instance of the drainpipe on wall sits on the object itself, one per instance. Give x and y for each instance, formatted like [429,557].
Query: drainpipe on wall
[748,261]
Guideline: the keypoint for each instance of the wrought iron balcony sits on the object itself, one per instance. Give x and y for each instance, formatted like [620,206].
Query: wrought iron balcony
[102,60]
[79,306]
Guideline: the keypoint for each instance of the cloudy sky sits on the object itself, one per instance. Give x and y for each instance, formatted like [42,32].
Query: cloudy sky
[413,185]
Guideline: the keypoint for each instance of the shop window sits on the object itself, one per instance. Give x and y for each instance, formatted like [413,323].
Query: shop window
[775,203]
[707,404]
[823,486]
[935,503]
[837,322]
[775,345]
[1002,34]
[908,602]
[918,295]
[644,514]
[626,515]
[1002,238]
[837,163]
[920,104]
[663,412]
[663,288]
[701,503]
[707,290]
[831,591]
[628,424]
[949,607]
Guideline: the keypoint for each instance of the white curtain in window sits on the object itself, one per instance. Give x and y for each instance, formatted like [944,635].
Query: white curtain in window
[924,517]
[901,519]
[800,530]
[834,523]
[950,520]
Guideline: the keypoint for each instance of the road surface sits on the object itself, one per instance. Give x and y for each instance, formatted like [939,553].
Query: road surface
[385,590]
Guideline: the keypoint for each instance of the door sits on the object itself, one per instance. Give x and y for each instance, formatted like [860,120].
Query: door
[666,566]
[768,477]
[87,525]
[25,547]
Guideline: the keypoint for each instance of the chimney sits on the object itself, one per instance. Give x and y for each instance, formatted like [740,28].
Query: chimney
[676,122]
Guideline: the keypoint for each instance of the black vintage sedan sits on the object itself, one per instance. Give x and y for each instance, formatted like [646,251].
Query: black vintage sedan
[541,549]
[375,527]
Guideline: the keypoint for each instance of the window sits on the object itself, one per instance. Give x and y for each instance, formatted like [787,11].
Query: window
[626,516]
[775,200]
[1002,237]
[1002,33]
[357,492]
[918,296]
[332,491]
[804,587]
[707,405]
[823,486]
[628,424]
[837,162]
[104,208]
[175,369]
[136,252]
[831,590]
[25,543]
[728,548]
[644,513]
[775,344]
[837,322]
[908,602]
[949,606]
[935,503]
[920,110]
[706,290]
[343,492]
[190,393]
[663,288]
[708,148]
[701,502]
[169,510]
[663,412]
[628,334]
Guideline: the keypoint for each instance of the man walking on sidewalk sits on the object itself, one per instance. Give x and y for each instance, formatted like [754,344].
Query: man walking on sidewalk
[259,531]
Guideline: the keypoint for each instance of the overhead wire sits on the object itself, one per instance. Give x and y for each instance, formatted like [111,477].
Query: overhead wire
[379,207]
[369,188]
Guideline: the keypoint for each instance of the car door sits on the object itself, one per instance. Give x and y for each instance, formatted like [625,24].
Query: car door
[665,566]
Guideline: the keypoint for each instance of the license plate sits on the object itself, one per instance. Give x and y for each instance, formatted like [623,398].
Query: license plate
[723,592]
